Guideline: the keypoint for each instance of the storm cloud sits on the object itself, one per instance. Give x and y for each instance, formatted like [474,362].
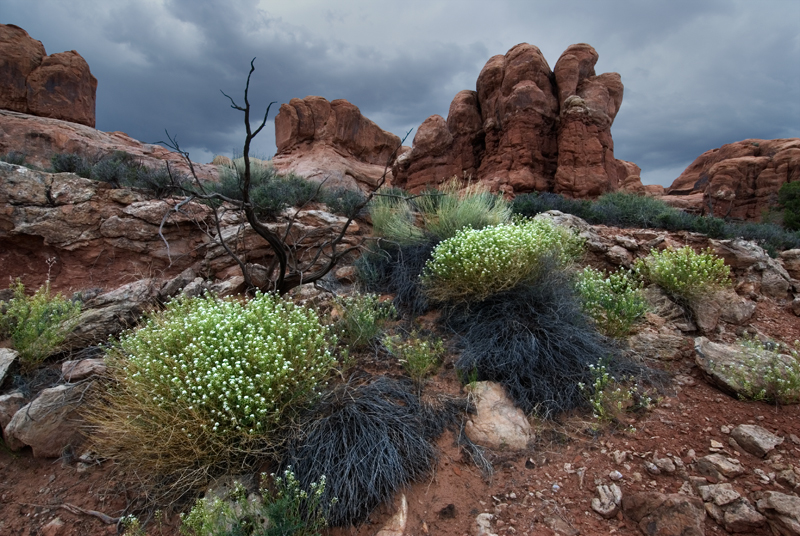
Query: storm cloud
[697,73]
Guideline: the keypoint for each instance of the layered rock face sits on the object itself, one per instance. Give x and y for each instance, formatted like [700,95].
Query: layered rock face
[321,140]
[738,180]
[527,128]
[60,86]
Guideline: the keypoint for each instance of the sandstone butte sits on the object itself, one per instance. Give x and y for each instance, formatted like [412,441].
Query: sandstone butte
[59,86]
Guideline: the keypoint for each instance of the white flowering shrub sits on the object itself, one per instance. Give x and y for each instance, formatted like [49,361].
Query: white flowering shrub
[614,301]
[204,386]
[767,371]
[237,365]
[684,273]
[475,264]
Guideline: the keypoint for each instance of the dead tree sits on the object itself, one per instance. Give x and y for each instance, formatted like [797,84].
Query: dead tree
[293,265]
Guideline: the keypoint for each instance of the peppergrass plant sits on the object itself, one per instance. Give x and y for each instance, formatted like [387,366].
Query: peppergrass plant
[206,382]
[683,273]
[475,264]
[361,317]
[614,301]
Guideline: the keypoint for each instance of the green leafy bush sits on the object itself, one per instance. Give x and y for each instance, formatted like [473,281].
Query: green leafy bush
[288,511]
[615,301]
[37,324]
[71,163]
[419,356]
[789,199]
[361,317]
[477,263]
[683,273]
[207,381]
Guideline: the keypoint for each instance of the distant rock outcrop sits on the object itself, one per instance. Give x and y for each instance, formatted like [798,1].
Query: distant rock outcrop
[321,140]
[527,128]
[739,180]
[60,86]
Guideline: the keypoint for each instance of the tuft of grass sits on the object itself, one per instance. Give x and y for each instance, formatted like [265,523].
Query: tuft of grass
[420,356]
[394,218]
[683,273]
[344,201]
[361,318]
[450,209]
[37,324]
[475,264]
[371,440]
[614,301]
[204,385]
[535,341]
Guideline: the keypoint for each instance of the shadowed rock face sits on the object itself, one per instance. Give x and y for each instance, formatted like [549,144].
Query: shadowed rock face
[527,128]
[738,180]
[60,86]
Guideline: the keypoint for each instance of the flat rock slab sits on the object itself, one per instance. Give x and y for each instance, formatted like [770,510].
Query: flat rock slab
[73,371]
[756,440]
[718,466]
[658,514]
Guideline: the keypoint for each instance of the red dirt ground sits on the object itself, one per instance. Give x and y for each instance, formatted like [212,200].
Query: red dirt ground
[520,491]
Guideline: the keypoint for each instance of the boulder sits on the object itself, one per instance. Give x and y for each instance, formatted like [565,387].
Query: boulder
[497,423]
[729,509]
[782,512]
[526,128]
[719,467]
[791,262]
[20,54]
[738,180]
[331,141]
[658,514]
[49,424]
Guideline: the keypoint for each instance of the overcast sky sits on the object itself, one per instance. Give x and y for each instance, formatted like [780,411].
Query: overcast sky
[697,73]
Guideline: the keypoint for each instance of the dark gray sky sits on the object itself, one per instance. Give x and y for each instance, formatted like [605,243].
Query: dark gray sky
[697,73]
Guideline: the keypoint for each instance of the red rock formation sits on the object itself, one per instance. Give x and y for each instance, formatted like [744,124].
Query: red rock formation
[527,128]
[320,139]
[738,180]
[60,86]
[40,137]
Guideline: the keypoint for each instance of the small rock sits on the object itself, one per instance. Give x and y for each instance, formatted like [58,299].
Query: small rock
[719,494]
[740,516]
[396,526]
[616,476]
[756,440]
[652,468]
[497,423]
[725,429]
[54,527]
[483,525]
[608,501]
[716,445]
[664,465]
[620,456]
